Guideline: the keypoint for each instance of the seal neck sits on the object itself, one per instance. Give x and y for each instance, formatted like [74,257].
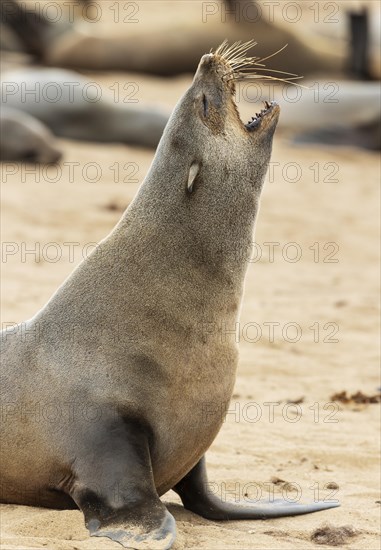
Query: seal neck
[212,235]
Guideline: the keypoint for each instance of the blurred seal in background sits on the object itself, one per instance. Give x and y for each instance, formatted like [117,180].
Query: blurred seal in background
[24,138]
[75,108]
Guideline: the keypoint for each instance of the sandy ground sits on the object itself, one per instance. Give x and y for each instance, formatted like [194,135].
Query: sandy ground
[319,203]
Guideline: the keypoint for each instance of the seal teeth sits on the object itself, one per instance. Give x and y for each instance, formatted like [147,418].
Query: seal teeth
[253,124]
[257,120]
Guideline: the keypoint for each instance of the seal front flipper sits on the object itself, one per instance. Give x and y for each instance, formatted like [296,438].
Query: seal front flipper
[196,497]
[158,534]
[114,487]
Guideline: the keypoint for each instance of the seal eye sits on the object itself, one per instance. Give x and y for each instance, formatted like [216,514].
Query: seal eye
[205,105]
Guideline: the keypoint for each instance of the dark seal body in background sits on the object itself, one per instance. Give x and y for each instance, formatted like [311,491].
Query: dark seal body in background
[121,353]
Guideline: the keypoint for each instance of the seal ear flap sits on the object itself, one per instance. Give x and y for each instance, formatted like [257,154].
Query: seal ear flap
[193,172]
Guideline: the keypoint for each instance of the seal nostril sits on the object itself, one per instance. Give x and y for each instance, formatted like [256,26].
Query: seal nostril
[205,104]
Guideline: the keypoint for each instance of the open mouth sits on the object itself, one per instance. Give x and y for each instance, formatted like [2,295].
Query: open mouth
[237,66]
[257,119]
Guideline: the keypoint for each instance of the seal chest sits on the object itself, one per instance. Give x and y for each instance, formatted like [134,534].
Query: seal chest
[142,332]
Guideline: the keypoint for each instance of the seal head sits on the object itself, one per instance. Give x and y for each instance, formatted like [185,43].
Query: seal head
[206,125]
[216,79]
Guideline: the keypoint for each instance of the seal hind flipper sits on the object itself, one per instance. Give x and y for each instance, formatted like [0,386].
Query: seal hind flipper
[194,493]
[115,488]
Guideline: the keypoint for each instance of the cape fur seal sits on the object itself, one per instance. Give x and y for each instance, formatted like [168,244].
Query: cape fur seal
[75,108]
[125,335]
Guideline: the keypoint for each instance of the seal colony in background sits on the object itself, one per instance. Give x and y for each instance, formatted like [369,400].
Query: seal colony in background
[132,337]
[75,108]
[176,49]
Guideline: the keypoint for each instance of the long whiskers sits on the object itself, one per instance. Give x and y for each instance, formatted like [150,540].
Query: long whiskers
[243,67]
